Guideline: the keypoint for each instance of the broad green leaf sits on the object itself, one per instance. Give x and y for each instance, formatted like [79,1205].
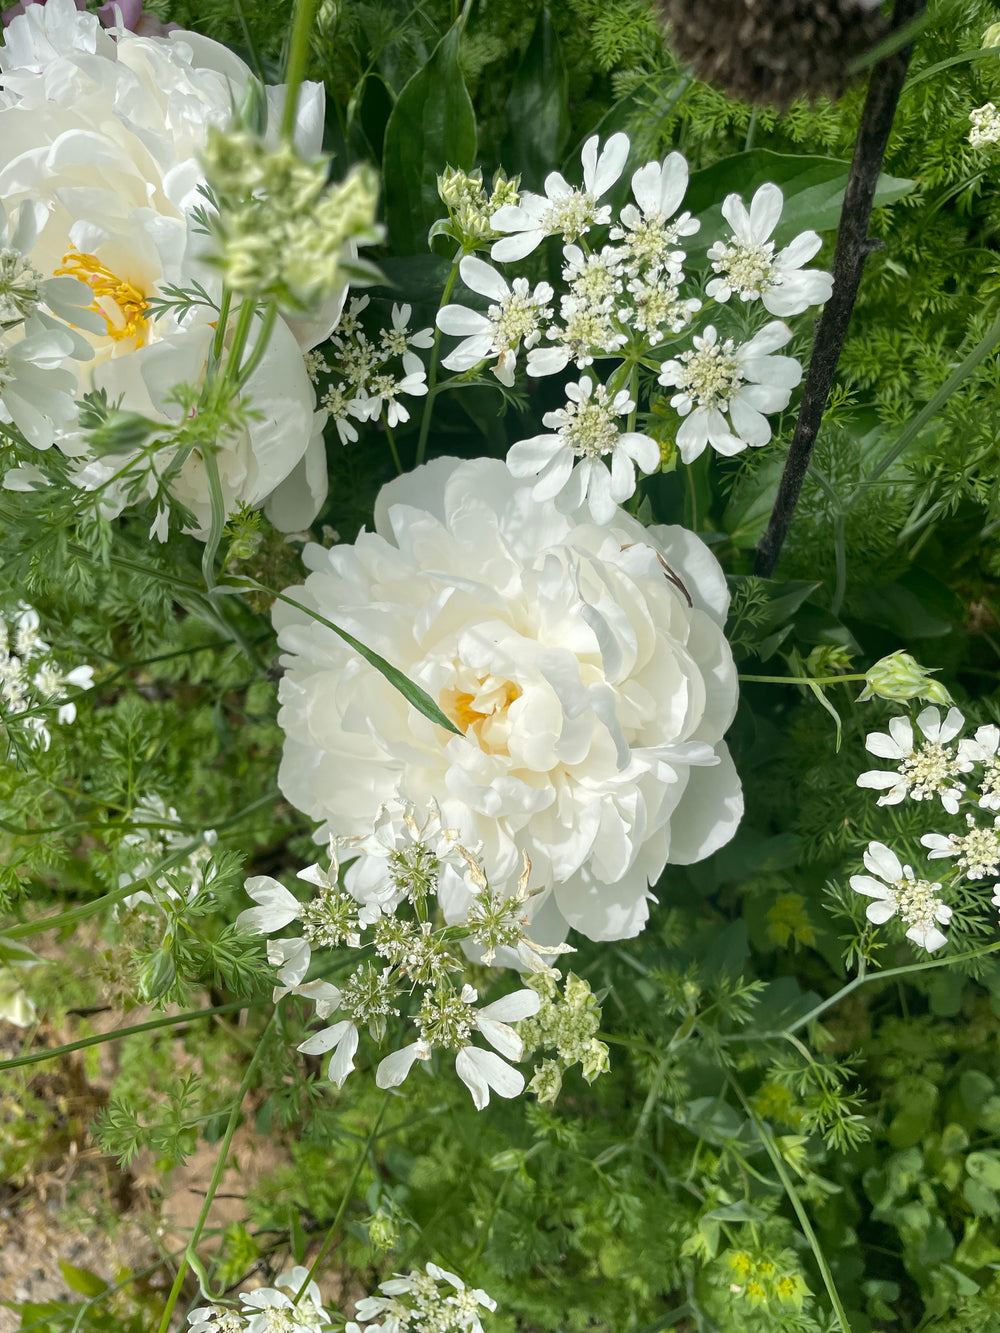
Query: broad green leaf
[431,126]
[813,188]
[537,116]
[79,1279]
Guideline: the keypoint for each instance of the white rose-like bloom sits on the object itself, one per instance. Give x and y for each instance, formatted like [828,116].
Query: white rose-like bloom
[586,668]
[105,133]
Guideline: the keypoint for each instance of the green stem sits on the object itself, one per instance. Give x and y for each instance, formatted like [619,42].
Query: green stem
[432,370]
[298,57]
[218,520]
[802,680]
[244,323]
[171,1020]
[345,1199]
[771,1148]
[244,372]
[219,341]
[215,1182]
[392,448]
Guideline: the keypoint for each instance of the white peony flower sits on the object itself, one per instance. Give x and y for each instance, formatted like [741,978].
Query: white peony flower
[717,379]
[923,772]
[570,463]
[748,266]
[648,239]
[585,667]
[561,210]
[915,900]
[513,320]
[36,392]
[104,133]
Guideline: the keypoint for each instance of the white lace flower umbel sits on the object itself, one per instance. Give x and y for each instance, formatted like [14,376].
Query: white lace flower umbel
[562,210]
[748,266]
[724,389]
[923,771]
[514,320]
[898,892]
[648,237]
[570,463]
[977,852]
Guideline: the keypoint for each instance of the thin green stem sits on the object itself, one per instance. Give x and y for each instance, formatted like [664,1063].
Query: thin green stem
[432,370]
[777,1161]
[171,1020]
[244,372]
[215,1182]
[345,1198]
[298,58]
[392,448]
[803,680]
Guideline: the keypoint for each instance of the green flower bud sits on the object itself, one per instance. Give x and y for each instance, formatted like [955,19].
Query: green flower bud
[991,37]
[547,1082]
[899,677]
[457,187]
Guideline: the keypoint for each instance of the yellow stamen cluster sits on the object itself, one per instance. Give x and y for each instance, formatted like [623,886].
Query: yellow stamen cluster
[128,318]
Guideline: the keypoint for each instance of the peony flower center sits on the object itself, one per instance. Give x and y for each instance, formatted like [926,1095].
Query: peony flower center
[916,900]
[481,712]
[126,317]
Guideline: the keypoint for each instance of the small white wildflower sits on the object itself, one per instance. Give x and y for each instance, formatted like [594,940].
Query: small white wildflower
[594,278]
[985,125]
[513,320]
[416,1303]
[269,1310]
[341,407]
[648,238]
[715,379]
[982,749]
[748,266]
[398,339]
[915,900]
[977,852]
[316,365]
[587,330]
[658,308]
[561,210]
[923,772]
[381,393]
[570,462]
[216,1319]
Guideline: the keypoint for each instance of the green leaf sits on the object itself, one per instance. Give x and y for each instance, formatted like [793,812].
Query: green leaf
[15,954]
[813,188]
[537,115]
[984,1167]
[431,126]
[79,1279]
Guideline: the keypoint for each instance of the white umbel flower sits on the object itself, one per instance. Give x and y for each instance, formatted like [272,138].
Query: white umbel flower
[898,891]
[748,266]
[983,749]
[416,1302]
[985,125]
[570,463]
[648,237]
[924,771]
[977,852]
[562,210]
[513,321]
[381,392]
[585,667]
[719,380]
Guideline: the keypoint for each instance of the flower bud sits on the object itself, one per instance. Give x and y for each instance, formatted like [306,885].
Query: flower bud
[899,677]
[457,187]
[991,37]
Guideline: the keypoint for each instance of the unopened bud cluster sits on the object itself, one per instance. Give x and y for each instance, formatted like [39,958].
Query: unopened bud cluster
[567,1021]
[470,206]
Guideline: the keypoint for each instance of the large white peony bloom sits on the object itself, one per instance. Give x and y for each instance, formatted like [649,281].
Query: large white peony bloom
[105,131]
[586,667]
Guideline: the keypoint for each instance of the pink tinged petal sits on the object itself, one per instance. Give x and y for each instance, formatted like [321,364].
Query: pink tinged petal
[526,458]
[882,860]
[460,321]
[879,779]
[483,278]
[880,912]
[482,1070]
[765,211]
[321,1042]
[394,1068]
